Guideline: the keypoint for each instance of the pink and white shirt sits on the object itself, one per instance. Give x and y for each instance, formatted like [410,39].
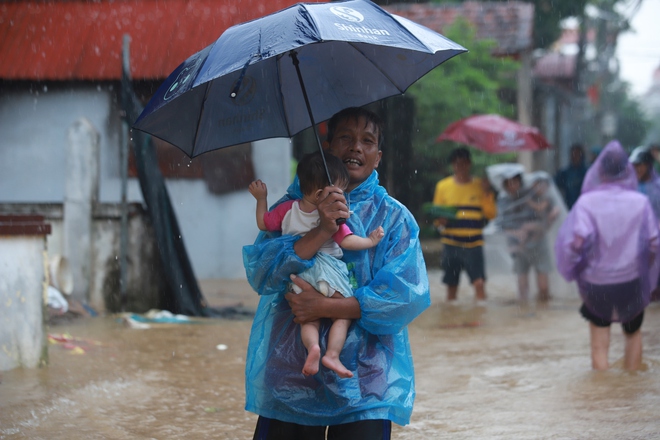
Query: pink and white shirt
[288,218]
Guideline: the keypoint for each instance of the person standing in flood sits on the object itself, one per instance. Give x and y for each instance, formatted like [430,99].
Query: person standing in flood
[569,180]
[461,235]
[391,290]
[607,244]
[525,215]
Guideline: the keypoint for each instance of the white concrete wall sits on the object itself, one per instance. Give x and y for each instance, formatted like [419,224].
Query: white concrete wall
[22,298]
[33,145]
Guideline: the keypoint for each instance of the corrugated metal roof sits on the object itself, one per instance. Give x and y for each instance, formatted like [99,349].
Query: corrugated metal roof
[82,40]
[510,24]
[555,66]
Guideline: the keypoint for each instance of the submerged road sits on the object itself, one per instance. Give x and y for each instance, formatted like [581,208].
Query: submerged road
[498,371]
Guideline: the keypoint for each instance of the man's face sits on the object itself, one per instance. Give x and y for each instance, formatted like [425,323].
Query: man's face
[642,171]
[576,156]
[356,143]
[461,166]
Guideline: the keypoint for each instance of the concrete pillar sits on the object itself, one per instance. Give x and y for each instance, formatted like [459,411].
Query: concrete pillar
[82,192]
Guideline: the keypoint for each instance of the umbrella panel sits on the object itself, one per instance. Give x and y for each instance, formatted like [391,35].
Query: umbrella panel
[343,64]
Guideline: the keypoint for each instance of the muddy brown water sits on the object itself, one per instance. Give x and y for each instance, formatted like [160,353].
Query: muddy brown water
[498,371]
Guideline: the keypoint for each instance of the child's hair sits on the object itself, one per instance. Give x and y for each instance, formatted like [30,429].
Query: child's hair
[311,172]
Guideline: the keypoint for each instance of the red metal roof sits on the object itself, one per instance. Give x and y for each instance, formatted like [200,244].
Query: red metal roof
[82,40]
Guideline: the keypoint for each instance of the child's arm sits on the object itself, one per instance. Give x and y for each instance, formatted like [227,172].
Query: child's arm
[260,192]
[356,243]
[540,205]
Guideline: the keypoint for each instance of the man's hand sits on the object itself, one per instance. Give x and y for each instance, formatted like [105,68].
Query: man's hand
[441,221]
[331,206]
[307,305]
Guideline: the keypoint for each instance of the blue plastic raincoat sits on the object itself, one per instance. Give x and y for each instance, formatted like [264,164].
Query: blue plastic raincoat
[393,290]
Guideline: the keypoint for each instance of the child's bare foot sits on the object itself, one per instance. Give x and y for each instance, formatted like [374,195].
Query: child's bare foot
[311,366]
[335,365]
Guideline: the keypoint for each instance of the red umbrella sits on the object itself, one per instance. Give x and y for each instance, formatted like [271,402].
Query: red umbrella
[494,134]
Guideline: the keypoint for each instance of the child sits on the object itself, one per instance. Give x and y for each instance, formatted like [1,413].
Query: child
[329,274]
[607,244]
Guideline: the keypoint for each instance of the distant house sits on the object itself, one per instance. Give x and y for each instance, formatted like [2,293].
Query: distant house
[510,24]
[61,61]
[565,115]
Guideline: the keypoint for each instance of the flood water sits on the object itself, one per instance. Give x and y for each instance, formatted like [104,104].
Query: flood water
[497,371]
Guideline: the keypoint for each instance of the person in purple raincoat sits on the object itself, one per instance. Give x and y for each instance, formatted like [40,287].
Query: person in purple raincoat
[607,244]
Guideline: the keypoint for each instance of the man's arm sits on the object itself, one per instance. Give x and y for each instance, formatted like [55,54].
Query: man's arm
[396,294]
[309,305]
[439,199]
[488,205]
[399,289]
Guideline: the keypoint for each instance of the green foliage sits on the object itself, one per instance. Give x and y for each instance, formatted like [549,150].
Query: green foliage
[632,124]
[547,16]
[466,85]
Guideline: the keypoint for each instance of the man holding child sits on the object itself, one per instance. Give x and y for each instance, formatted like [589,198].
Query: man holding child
[390,290]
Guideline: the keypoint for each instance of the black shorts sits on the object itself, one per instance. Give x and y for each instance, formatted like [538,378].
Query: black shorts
[629,327]
[455,259]
[271,429]
[604,301]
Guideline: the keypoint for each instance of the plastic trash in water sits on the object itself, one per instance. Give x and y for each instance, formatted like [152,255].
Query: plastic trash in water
[57,301]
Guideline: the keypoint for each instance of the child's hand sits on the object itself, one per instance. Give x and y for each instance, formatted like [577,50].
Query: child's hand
[377,235]
[258,189]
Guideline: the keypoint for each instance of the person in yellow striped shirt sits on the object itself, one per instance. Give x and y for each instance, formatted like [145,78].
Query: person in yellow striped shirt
[461,236]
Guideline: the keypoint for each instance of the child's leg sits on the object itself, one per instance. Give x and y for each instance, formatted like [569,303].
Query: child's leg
[309,333]
[336,339]
[600,345]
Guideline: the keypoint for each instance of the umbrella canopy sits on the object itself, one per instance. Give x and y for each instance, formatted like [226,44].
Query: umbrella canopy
[494,134]
[275,76]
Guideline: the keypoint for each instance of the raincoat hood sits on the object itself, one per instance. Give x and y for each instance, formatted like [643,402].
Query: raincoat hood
[611,168]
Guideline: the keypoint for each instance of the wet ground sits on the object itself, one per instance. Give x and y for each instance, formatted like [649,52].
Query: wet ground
[497,371]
